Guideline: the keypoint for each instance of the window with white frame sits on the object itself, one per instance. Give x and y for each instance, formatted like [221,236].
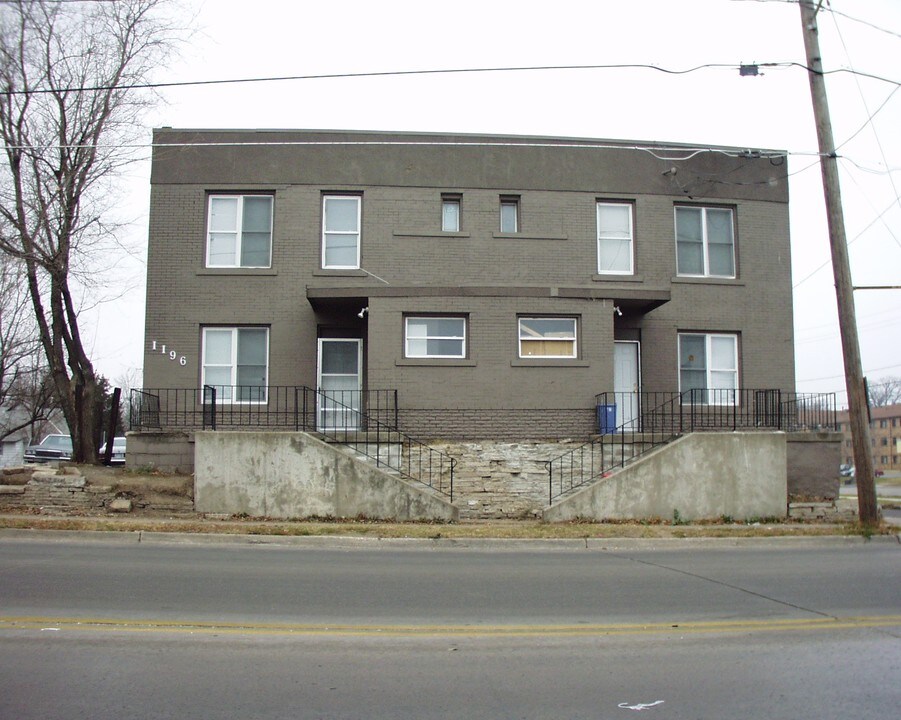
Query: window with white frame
[236,362]
[435,337]
[509,214]
[615,238]
[547,337]
[341,231]
[705,242]
[239,231]
[450,213]
[708,366]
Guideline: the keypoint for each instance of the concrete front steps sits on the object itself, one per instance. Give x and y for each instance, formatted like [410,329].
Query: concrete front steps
[496,480]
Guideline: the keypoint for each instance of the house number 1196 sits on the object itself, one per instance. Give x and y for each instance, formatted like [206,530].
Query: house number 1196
[182,360]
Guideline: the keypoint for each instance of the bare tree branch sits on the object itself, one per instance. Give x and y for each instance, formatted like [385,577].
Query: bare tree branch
[63,148]
[886,391]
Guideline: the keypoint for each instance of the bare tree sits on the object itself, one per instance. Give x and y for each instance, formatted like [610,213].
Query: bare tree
[886,391]
[128,381]
[69,113]
[26,398]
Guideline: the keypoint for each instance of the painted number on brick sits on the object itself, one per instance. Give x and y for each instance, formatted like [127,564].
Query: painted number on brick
[171,354]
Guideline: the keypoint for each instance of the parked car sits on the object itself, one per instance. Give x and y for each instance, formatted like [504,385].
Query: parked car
[52,447]
[118,456]
[878,472]
[846,470]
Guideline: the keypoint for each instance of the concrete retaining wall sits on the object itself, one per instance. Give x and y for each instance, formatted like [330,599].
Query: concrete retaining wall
[699,476]
[293,475]
[167,451]
[813,460]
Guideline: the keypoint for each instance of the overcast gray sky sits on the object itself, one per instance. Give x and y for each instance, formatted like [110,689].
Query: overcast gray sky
[708,106]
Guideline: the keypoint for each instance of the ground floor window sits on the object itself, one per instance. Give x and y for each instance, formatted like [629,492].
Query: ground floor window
[708,365]
[236,362]
[547,337]
[435,337]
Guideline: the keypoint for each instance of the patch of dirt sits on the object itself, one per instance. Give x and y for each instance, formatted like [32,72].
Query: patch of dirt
[123,480]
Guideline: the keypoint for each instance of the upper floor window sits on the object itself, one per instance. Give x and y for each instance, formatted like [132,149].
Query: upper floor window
[435,337]
[341,231]
[235,360]
[705,242]
[547,337]
[615,238]
[509,214]
[239,231]
[450,213]
[708,365]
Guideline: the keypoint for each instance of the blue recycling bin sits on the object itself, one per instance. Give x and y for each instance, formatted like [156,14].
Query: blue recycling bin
[606,419]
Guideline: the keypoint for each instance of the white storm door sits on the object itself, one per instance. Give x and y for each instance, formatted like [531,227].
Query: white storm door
[339,384]
[626,383]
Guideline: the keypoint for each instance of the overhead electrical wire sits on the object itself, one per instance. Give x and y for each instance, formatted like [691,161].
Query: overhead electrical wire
[869,123]
[854,239]
[443,71]
[832,10]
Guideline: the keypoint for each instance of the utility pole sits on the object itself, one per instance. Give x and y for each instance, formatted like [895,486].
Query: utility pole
[841,268]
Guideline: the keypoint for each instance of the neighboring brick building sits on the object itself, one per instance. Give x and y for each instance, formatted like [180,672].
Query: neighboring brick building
[885,437]
[497,283]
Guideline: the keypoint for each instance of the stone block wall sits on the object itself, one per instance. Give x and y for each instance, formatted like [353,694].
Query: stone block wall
[494,479]
[51,490]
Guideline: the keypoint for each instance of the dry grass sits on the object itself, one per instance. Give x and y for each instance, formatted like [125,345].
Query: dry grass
[512,530]
[167,484]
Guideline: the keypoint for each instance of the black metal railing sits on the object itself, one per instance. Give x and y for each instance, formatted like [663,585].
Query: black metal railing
[381,442]
[716,409]
[363,421]
[282,407]
[641,422]
[617,446]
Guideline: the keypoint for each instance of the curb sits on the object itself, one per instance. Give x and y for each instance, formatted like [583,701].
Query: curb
[341,542]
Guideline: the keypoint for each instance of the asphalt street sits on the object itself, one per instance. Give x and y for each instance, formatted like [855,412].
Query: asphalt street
[380,629]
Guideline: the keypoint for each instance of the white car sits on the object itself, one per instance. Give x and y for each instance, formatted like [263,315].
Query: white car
[118,456]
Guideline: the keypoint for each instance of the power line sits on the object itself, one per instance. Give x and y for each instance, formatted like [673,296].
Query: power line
[444,71]
[853,240]
[687,151]
[834,12]
[871,125]
[835,377]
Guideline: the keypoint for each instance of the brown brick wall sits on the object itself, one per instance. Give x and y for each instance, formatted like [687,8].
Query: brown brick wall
[403,245]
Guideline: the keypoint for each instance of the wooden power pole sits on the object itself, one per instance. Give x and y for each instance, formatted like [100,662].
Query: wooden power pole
[841,268]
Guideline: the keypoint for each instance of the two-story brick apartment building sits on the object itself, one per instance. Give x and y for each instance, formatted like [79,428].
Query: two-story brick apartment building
[498,284]
[885,437]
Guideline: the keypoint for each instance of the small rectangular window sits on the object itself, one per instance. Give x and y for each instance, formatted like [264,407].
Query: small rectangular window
[341,231]
[236,362]
[450,213]
[708,366]
[705,242]
[547,337]
[509,214]
[614,238]
[239,231]
[435,337]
